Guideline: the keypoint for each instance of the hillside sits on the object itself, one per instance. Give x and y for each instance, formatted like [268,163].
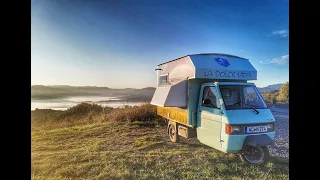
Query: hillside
[61,91]
[272,87]
[129,94]
[87,142]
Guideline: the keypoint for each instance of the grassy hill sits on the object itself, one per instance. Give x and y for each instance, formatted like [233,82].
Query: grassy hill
[90,142]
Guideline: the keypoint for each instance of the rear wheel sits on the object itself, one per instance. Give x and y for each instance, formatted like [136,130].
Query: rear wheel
[255,155]
[173,133]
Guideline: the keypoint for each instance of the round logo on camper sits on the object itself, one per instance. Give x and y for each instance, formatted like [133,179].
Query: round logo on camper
[222,62]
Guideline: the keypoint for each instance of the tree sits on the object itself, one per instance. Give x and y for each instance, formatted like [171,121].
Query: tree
[270,96]
[284,93]
[274,97]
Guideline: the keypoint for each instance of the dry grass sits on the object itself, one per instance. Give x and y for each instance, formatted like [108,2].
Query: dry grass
[145,112]
[132,149]
[84,113]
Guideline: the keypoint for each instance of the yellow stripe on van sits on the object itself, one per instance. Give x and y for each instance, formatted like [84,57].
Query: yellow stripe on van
[173,113]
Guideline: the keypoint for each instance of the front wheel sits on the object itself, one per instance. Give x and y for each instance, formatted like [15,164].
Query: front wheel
[255,155]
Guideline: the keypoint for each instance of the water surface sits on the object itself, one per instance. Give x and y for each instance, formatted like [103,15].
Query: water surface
[65,103]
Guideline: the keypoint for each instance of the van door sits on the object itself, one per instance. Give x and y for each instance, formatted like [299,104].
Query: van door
[209,117]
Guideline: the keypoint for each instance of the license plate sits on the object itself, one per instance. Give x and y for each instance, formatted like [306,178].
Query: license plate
[256,129]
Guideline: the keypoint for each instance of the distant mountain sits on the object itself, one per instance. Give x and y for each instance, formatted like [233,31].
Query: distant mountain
[61,91]
[270,87]
[128,94]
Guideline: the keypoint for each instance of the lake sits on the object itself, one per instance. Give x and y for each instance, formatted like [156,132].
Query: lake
[65,103]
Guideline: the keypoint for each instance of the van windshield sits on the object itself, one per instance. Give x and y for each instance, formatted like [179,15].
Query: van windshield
[242,97]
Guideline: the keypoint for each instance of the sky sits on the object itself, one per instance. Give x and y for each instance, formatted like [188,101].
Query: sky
[118,44]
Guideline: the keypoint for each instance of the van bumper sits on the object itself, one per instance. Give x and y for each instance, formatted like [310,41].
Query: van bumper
[234,143]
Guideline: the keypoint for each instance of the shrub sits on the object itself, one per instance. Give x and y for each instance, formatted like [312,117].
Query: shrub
[270,96]
[284,93]
[145,112]
[84,108]
[85,113]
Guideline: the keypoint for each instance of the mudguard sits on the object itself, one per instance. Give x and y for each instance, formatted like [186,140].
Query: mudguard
[258,140]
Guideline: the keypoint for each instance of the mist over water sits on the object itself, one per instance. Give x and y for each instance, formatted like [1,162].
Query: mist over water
[65,103]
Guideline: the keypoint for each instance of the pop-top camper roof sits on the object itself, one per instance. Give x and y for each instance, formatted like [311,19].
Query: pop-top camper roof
[172,84]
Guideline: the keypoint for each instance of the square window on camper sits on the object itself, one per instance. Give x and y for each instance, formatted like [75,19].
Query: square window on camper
[163,80]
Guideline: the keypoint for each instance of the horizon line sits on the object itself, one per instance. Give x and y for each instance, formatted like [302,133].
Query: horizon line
[123,88]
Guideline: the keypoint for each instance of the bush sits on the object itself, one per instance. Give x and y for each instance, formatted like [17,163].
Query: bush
[270,96]
[145,112]
[85,113]
[84,108]
[284,93]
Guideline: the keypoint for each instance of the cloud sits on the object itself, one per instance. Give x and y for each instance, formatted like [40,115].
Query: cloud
[282,60]
[281,33]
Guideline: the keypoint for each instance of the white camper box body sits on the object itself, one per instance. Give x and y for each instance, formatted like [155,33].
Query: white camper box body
[173,76]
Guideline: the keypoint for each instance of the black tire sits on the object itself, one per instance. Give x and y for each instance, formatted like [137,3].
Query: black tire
[173,133]
[261,158]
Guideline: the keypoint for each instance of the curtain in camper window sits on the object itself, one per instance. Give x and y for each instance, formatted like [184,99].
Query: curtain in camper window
[210,93]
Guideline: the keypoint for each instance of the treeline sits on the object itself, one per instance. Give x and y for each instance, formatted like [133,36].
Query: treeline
[276,96]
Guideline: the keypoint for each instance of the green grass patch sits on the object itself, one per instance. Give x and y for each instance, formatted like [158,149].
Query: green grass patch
[129,148]
[111,150]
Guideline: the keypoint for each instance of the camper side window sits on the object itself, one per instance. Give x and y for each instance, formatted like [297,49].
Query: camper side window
[163,80]
[210,97]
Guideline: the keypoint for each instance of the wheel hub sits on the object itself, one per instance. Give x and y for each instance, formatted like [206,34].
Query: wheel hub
[172,132]
[253,154]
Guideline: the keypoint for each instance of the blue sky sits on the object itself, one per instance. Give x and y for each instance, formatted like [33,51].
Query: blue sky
[119,43]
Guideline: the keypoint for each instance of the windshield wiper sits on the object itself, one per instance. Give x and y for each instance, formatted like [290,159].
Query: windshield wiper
[253,107]
[255,110]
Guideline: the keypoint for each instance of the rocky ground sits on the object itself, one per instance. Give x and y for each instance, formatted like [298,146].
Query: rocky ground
[281,147]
